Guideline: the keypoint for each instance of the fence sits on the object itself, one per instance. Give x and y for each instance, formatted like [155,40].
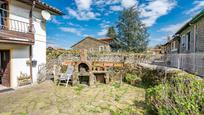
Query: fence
[192,62]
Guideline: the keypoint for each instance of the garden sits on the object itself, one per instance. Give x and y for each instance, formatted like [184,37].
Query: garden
[144,90]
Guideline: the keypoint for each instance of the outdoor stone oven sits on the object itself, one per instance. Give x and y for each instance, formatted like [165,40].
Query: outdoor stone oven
[83,68]
[87,72]
[84,73]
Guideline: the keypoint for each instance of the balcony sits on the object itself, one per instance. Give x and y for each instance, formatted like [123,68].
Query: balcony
[15,31]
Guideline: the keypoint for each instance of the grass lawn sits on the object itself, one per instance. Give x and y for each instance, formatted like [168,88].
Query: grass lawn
[48,99]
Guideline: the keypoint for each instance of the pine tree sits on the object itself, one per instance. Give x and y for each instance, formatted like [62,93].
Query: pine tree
[132,33]
[112,34]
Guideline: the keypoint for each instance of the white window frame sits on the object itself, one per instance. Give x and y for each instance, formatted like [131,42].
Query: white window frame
[173,46]
[101,48]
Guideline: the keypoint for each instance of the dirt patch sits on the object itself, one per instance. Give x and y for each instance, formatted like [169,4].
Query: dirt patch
[47,98]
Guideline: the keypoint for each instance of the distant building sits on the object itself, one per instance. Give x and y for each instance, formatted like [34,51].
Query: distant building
[93,45]
[186,48]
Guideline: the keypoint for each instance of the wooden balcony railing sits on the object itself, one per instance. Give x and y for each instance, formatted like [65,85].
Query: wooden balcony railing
[15,31]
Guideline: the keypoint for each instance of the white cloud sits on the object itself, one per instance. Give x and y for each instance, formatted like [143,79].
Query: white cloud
[173,28]
[83,4]
[103,32]
[105,24]
[154,9]
[55,21]
[82,15]
[198,6]
[71,30]
[128,3]
[106,2]
[83,11]
[116,8]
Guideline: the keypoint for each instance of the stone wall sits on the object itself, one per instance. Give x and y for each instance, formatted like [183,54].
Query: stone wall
[91,44]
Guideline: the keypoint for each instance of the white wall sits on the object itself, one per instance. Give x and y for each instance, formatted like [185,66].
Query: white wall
[19,54]
[20,11]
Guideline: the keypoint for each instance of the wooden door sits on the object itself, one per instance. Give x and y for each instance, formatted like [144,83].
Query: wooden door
[5,67]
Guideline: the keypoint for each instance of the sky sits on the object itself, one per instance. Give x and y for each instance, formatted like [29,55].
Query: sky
[92,18]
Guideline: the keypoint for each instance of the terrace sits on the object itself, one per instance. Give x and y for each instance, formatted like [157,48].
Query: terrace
[14,28]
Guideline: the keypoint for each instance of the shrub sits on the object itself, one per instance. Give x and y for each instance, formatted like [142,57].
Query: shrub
[156,76]
[132,79]
[180,95]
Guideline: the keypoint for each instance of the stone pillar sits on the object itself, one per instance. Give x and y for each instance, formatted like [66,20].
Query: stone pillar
[83,55]
[107,77]
[92,79]
[75,78]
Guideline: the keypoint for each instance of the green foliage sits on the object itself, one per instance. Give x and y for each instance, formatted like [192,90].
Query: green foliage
[22,113]
[78,88]
[132,34]
[116,85]
[132,79]
[156,76]
[180,95]
[125,111]
[55,53]
[112,34]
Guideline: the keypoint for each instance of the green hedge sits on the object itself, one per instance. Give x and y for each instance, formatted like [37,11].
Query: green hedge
[179,95]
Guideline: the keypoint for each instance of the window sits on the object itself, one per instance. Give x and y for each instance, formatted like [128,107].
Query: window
[101,48]
[185,41]
[91,49]
[188,41]
[173,46]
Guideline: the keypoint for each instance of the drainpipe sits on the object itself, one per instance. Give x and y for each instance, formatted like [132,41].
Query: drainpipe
[31,30]
[194,45]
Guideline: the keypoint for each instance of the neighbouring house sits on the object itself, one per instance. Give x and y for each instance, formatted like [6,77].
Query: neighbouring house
[22,40]
[186,48]
[93,45]
[172,46]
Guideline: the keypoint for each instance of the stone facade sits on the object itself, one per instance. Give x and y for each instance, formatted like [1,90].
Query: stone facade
[92,45]
[190,47]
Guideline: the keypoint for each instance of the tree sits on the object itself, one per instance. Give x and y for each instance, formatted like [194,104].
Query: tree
[112,34]
[132,33]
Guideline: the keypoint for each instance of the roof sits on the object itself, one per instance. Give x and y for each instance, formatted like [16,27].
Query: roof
[108,40]
[104,39]
[192,21]
[98,40]
[44,6]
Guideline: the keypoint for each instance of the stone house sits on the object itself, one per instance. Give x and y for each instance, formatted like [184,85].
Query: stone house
[187,46]
[93,45]
[22,40]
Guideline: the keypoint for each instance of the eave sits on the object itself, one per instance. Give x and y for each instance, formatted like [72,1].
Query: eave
[43,6]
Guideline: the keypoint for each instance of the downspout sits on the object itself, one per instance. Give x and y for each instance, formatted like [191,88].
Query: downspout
[31,31]
[194,45]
